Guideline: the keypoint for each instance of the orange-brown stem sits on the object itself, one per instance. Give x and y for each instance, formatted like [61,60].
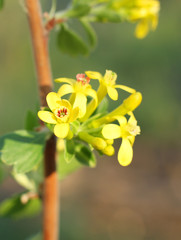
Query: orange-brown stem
[40,47]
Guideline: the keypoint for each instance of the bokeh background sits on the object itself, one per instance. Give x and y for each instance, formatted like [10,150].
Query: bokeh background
[110,202]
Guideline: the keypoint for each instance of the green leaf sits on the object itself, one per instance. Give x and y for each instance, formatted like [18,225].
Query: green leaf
[75,126]
[69,151]
[84,155]
[14,208]
[23,149]
[64,168]
[70,43]
[90,32]
[93,117]
[31,121]
[24,181]
[107,15]
[78,10]
[3,171]
[38,236]
[103,107]
[1,4]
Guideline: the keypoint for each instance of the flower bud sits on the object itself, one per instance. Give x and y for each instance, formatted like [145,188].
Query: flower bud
[96,142]
[109,150]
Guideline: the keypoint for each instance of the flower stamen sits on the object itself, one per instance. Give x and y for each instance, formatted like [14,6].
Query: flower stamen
[82,78]
[62,112]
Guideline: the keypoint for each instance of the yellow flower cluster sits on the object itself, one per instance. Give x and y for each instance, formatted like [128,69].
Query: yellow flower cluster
[145,12]
[81,119]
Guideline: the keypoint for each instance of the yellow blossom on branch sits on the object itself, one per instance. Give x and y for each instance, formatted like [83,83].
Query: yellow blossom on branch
[127,131]
[145,12]
[80,89]
[93,130]
[128,105]
[107,86]
[61,115]
[99,143]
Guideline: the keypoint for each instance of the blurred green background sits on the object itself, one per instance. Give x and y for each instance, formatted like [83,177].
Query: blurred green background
[142,201]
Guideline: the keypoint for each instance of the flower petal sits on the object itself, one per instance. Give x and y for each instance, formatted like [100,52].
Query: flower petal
[47,117]
[66,103]
[53,101]
[121,119]
[131,139]
[80,101]
[111,131]
[154,22]
[92,93]
[112,92]
[125,88]
[66,80]
[142,29]
[61,130]
[125,153]
[74,114]
[65,89]
[93,75]
[72,98]
[70,135]
[109,150]
[110,77]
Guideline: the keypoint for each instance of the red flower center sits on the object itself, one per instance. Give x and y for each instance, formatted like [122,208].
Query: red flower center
[62,112]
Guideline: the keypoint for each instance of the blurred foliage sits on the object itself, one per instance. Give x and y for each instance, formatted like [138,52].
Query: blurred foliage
[69,42]
[14,208]
[26,149]
[1,3]
[151,65]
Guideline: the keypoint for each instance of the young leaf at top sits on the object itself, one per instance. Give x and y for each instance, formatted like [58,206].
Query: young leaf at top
[14,208]
[23,149]
[78,10]
[1,4]
[89,31]
[107,15]
[69,42]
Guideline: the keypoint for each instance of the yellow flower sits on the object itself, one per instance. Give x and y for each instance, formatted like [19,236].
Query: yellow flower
[127,131]
[80,89]
[96,142]
[145,12]
[103,145]
[62,115]
[108,150]
[128,105]
[107,86]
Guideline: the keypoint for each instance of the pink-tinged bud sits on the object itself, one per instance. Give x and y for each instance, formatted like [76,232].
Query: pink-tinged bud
[82,78]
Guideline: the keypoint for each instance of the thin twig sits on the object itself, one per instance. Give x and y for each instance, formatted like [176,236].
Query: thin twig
[42,64]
